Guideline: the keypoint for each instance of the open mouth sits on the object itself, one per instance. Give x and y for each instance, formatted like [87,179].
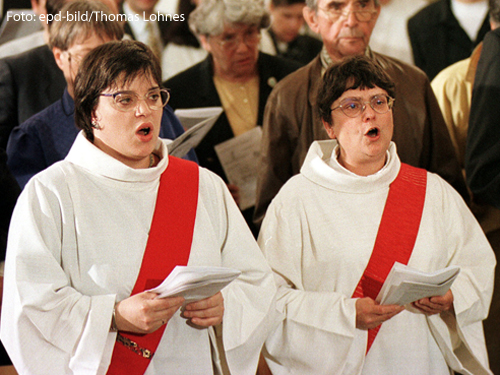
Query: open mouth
[373,132]
[145,131]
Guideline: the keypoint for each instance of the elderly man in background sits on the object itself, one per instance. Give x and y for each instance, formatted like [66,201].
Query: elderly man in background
[234,75]
[291,124]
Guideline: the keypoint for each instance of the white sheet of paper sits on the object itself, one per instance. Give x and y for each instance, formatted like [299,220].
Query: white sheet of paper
[192,116]
[239,157]
[405,284]
[192,136]
[195,283]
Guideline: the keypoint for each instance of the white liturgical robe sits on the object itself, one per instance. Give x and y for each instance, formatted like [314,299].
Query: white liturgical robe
[318,236]
[77,238]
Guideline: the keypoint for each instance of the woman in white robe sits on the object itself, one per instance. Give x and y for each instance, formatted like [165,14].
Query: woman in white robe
[80,229]
[319,233]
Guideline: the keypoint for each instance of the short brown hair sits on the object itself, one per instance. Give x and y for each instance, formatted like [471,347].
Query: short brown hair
[107,66]
[65,32]
[349,74]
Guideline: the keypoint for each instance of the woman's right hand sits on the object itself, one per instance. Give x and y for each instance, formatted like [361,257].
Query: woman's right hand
[144,313]
[370,314]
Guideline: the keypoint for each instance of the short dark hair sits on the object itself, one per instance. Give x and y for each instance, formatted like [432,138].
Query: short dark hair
[110,64]
[495,11]
[350,73]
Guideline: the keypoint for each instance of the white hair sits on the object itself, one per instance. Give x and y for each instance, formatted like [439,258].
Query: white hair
[210,16]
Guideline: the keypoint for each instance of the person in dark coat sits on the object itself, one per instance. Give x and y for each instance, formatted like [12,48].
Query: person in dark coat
[235,76]
[438,39]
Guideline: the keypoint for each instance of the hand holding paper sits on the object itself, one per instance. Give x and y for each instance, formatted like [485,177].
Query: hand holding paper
[436,304]
[195,283]
[207,312]
[405,285]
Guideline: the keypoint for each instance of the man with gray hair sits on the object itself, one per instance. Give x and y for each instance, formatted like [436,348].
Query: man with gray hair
[291,123]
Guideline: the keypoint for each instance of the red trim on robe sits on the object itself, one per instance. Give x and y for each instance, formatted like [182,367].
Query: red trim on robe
[396,235]
[169,245]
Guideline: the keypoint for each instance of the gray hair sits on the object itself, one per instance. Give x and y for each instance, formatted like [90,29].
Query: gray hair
[494,12]
[313,4]
[210,16]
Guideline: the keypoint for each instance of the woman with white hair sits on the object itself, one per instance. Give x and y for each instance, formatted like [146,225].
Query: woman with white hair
[234,75]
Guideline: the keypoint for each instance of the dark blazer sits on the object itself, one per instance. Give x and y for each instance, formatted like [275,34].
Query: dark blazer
[194,88]
[482,153]
[10,191]
[29,82]
[438,40]
[302,49]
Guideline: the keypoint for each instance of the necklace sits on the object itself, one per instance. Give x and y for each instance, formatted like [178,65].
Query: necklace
[151,160]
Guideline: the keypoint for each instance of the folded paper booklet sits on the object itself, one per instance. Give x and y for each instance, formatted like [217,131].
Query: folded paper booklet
[195,283]
[193,116]
[405,284]
[195,132]
[239,157]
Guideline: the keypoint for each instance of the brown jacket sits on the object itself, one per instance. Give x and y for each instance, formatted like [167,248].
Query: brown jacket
[291,124]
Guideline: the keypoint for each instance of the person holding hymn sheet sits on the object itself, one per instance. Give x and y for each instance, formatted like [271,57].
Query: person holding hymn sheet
[334,231]
[92,233]
[234,76]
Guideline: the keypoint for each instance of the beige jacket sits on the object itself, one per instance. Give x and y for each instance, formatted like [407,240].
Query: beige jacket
[453,89]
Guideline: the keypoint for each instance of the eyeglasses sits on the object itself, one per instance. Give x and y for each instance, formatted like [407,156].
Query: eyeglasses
[361,15]
[231,41]
[354,107]
[126,101]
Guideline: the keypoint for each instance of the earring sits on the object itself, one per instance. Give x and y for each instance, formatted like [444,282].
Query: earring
[95,124]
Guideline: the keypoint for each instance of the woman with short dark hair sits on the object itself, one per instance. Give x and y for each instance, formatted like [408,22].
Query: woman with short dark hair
[91,235]
[334,232]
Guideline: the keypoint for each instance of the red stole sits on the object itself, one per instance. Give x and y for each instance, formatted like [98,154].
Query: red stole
[397,233]
[169,245]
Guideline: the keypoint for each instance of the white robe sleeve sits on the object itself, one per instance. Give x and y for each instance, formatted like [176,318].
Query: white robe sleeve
[250,300]
[44,319]
[327,319]
[460,335]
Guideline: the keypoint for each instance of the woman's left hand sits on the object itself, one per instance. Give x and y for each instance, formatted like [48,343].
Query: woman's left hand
[207,312]
[435,305]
